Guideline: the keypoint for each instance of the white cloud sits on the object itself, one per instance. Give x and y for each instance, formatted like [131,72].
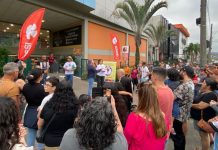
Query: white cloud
[186,12]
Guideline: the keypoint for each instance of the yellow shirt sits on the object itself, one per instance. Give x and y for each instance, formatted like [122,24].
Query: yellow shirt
[8,88]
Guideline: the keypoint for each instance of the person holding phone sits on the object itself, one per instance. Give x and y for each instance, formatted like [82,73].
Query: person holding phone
[98,120]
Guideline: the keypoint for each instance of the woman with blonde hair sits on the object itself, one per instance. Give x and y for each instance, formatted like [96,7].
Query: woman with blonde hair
[146,128]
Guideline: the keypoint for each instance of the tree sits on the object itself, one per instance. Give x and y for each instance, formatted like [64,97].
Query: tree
[137,16]
[3,59]
[158,35]
[192,51]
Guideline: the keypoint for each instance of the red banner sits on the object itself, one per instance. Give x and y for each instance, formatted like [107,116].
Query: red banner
[116,46]
[29,34]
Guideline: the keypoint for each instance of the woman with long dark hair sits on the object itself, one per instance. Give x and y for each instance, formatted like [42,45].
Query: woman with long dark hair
[9,129]
[147,127]
[34,93]
[59,112]
[202,110]
[98,127]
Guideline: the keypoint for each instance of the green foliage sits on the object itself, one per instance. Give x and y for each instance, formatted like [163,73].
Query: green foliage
[3,59]
[192,51]
[158,34]
[137,16]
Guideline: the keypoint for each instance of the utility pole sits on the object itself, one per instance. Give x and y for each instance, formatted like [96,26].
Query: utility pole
[203,32]
[210,46]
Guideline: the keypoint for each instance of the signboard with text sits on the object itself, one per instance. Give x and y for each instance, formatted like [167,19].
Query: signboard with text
[71,36]
[115,46]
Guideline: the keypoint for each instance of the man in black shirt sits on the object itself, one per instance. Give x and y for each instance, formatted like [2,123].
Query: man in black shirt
[127,85]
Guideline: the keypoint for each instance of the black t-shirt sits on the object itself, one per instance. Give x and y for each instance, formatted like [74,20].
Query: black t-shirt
[34,94]
[59,125]
[208,113]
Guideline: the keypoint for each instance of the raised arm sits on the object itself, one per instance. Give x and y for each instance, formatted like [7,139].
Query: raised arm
[119,125]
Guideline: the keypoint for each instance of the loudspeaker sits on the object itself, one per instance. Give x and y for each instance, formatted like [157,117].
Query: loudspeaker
[97,91]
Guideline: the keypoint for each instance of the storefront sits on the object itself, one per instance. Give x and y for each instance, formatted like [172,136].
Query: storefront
[68,28]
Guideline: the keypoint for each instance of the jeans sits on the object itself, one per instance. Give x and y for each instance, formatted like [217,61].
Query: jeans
[175,111]
[215,141]
[44,77]
[90,81]
[69,78]
[179,138]
[31,139]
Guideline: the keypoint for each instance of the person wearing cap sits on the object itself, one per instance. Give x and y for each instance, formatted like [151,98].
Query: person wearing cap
[8,87]
[184,94]
[69,68]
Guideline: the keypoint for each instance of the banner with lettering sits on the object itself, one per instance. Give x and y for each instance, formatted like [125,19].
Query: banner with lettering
[116,46]
[29,34]
[110,71]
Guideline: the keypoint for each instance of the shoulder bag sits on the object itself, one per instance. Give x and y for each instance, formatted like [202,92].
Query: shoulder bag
[40,136]
[205,125]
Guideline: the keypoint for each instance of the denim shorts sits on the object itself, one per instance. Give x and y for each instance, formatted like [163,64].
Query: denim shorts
[176,110]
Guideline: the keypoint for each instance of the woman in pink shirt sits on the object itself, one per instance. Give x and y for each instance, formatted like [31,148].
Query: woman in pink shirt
[134,75]
[147,127]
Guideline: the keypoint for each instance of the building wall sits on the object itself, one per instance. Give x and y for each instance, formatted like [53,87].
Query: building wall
[105,8]
[90,3]
[103,50]
[99,41]
[182,45]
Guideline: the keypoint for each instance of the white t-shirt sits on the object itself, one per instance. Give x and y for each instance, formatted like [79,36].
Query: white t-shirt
[21,147]
[145,71]
[44,65]
[102,69]
[69,67]
[45,100]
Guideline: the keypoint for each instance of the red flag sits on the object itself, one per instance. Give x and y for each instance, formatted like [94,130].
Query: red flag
[29,34]
[116,46]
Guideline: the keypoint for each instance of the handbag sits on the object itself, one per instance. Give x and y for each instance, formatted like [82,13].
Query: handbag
[205,125]
[40,135]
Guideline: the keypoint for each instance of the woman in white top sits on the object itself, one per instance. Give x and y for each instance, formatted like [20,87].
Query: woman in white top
[10,136]
[101,73]
[49,87]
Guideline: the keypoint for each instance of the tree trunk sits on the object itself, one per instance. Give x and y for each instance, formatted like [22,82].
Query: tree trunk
[161,55]
[137,55]
[137,44]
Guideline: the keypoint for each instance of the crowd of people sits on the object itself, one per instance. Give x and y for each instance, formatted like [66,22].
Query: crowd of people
[55,117]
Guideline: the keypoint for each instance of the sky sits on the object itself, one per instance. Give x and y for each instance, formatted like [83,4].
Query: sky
[186,12]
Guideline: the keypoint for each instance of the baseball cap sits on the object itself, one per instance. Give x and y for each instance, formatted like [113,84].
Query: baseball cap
[189,71]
